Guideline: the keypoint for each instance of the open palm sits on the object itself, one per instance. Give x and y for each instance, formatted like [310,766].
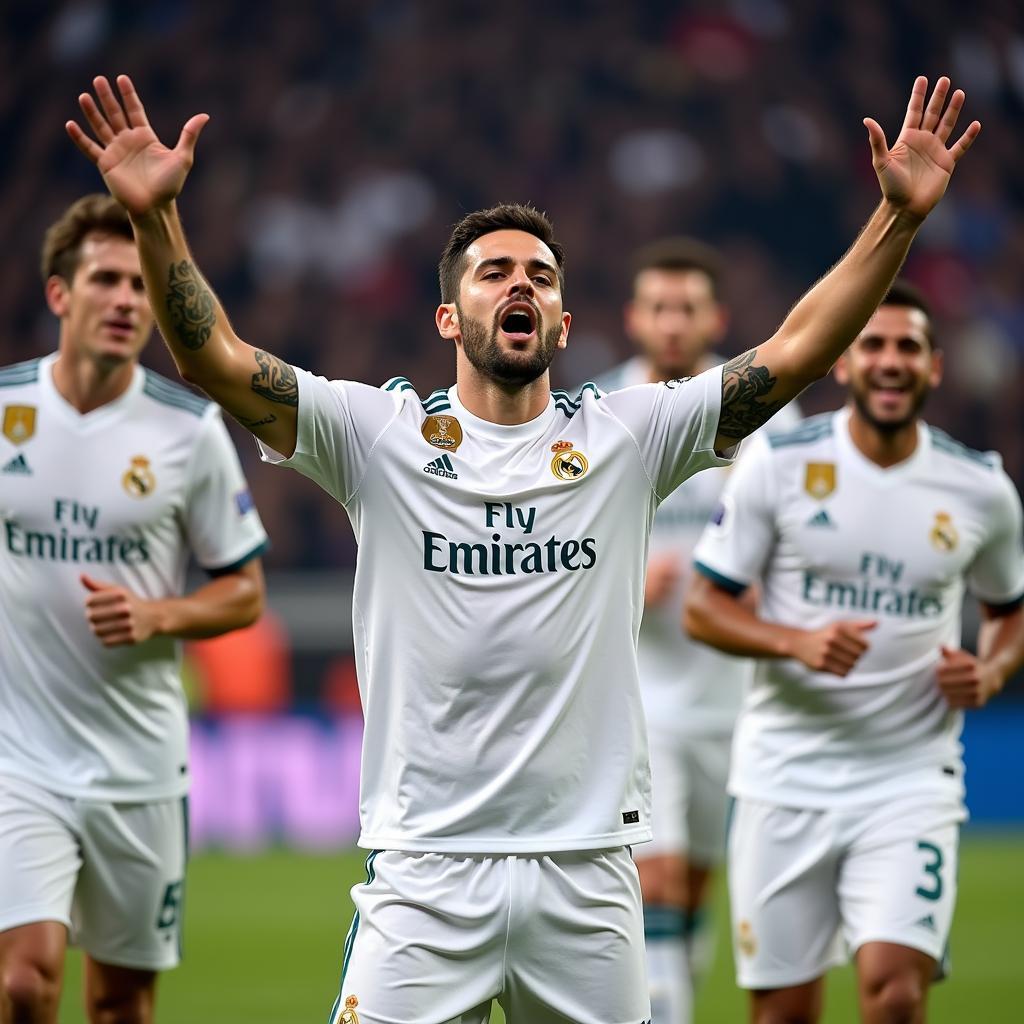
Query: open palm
[138,169]
[915,172]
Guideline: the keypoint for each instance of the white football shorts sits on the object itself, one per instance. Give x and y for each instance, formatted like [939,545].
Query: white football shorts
[808,888]
[114,874]
[689,802]
[553,938]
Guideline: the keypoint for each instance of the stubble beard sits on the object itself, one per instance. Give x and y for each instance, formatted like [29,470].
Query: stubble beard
[515,369]
[862,400]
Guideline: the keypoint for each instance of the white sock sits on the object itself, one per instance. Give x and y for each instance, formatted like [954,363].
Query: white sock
[668,969]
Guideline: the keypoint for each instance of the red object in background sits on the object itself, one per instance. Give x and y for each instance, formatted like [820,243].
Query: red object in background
[341,688]
[247,670]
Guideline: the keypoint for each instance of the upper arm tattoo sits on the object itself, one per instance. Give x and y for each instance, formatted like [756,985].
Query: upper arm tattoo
[276,380]
[744,386]
[189,305]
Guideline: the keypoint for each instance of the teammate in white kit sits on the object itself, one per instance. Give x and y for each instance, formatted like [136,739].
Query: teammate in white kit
[110,476]
[864,527]
[691,692]
[499,588]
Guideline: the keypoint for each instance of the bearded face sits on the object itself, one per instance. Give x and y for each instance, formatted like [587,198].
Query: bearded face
[515,348]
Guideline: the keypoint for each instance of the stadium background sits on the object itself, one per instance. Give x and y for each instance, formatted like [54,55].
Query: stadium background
[345,139]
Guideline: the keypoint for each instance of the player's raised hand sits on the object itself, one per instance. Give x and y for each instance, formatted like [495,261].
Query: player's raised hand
[138,169]
[835,648]
[117,616]
[964,680]
[915,172]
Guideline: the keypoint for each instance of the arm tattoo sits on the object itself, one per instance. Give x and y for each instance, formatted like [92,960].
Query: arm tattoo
[276,380]
[190,305]
[743,389]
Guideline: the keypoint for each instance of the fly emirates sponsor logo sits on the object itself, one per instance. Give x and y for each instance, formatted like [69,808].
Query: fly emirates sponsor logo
[499,555]
[880,588]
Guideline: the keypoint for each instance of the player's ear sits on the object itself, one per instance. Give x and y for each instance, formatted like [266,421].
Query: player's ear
[563,338]
[841,371]
[447,320]
[58,296]
[938,368]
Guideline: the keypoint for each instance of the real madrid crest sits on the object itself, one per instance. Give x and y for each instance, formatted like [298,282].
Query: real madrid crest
[139,480]
[442,432]
[349,1015]
[944,534]
[745,941]
[567,463]
[19,423]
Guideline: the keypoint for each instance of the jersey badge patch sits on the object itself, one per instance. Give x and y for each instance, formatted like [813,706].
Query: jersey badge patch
[944,536]
[561,446]
[349,1015]
[139,480]
[442,432]
[18,466]
[570,465]
[244,501]
[820,479]
[745,941]
[19,423]
[443,467]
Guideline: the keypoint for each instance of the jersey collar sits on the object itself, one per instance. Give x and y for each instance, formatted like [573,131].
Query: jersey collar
[850,454]
[96,418]
[514,432]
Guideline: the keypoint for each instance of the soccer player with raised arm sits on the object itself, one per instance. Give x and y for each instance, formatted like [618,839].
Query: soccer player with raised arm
[863,527]
[502,543]
[110,477]
[691,692]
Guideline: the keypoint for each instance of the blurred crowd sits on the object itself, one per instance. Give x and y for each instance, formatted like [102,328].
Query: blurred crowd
[347,137]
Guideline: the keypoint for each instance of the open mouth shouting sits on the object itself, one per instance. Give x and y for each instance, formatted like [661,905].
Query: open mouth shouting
[518,321]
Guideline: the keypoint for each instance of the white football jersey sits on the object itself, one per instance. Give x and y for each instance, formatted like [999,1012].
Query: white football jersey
[688,688]
[830,535]
[123,494]
[498,595]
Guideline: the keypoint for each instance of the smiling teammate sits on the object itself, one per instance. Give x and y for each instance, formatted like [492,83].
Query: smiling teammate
[504,768]
[863,527]
[691,692]
[110,476]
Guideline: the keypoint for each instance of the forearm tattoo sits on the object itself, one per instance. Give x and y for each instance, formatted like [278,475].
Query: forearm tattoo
[189,305]
[276,380]
[743,389]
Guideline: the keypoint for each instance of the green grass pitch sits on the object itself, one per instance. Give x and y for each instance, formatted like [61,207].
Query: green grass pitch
[263,939]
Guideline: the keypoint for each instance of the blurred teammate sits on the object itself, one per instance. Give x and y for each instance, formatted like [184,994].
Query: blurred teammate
[864,528]
[691,692]
[110,476]
[498,594]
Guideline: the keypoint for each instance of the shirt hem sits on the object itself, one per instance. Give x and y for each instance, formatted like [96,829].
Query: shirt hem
[99,793]
[503,845]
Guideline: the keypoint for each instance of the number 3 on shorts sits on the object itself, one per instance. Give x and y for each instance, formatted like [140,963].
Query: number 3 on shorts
[169,909]
[933,869]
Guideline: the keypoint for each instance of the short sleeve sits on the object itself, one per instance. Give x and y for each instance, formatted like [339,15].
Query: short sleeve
[223,527]
[737,545]
[673,425]
[339,422]
[996,576]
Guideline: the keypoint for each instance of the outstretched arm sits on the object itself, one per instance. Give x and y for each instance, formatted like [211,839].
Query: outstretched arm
[913,176]
[256,388]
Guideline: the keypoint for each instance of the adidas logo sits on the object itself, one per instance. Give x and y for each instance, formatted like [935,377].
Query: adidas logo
[927,922]
[19,464]
[442,467]
[820,519]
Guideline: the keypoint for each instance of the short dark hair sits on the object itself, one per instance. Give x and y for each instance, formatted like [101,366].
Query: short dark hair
[62,245]
[679,254]
[504,217]
[902,293]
